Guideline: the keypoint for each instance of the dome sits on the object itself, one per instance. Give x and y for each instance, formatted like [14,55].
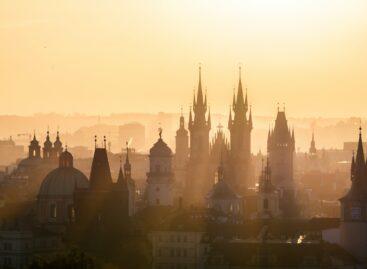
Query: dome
[222,190]
[160,149]
[62,182]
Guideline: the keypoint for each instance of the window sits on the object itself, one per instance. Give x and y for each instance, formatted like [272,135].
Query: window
[185,252]
[157,168]
[53,211]
[71,213]
[355,213]
[8,246]
[7,261]
[266,204]
[178,238]
[185,238]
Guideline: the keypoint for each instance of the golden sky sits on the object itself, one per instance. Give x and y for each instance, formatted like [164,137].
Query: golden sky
[114,56]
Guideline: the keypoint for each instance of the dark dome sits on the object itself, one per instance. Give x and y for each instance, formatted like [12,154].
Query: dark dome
[62,181]
[222,190]
[27,162]
[160,149]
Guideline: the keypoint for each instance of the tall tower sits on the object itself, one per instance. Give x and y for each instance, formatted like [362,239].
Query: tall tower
[159,190]
[57,146]
[268,200]
[130,183]
[240,128]
[353,226]
[47,147]
[34,149]
[182,153]
[281,145]
[197,181]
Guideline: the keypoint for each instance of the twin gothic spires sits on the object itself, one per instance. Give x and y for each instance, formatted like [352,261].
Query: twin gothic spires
[240,108]
[200,108]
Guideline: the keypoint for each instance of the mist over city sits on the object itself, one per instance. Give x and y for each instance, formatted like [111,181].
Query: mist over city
[183,135]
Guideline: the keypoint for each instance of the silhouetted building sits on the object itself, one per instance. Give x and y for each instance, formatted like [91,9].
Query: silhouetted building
[198,180]
[10,152]
[225,200]
[353,227]
[181,156]
[55,200]
[281,146]
[104,203]
[240,128]
[268,197]
[159,190]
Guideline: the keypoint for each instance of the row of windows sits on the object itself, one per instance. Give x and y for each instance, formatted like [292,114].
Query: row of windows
[173,252]
[173,238]
[175,266]
[54,211]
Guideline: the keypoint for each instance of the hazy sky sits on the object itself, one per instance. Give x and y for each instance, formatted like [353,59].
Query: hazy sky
[110,56]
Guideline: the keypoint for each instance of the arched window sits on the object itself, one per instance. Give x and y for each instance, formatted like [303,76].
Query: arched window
[71,213]
[53,211]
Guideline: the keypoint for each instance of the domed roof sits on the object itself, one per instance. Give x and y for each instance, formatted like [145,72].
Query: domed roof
[30,161]
[221,190]
[63,181]
[160,149]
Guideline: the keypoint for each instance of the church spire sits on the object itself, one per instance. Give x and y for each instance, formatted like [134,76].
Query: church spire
[127,165]
[209,122]
[360,166]
[250,117]
[230,118]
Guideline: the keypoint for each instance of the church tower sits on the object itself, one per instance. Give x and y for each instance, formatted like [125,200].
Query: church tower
[268,199]
[182,153]
[197,181]
[313,151]
[130,183]
[281,146]
[57,146]
[159,190]
[240,128]
[34,149]
[353,226]
[47,147]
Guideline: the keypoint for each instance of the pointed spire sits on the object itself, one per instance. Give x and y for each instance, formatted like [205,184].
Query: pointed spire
[127,165]
[209,122]
[246,102]
[199,97]
[360,153]
[234,99]
[352,168]
[230,118]
[250,118]
[95,141]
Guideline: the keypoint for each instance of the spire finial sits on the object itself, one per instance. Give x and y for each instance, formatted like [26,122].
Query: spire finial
[181,111]
[284,107]
[239,70]
[278,106]
[160,130]
[95,141]
[104,141]
[66,146]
